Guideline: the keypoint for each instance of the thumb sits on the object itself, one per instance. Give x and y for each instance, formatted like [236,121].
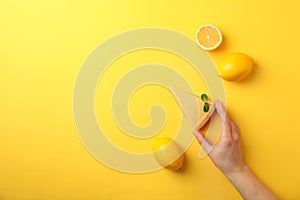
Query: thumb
[202,141]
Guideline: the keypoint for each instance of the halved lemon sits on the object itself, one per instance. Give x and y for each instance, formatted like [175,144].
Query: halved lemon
[208,37]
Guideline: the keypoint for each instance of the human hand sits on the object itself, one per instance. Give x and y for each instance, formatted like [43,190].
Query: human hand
[226,154]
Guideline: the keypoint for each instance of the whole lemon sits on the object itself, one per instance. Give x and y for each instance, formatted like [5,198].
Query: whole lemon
[235,67]
[167,153]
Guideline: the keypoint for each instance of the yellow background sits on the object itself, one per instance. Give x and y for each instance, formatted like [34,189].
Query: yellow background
[42,46]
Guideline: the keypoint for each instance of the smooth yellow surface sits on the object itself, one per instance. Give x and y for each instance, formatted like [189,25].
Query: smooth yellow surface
[42,46]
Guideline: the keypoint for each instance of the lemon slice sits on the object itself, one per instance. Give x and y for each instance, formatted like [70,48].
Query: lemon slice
[192,107]
[208,37]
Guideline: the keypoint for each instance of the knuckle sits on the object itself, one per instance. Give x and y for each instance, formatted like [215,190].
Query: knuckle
[236,138]
[227,141]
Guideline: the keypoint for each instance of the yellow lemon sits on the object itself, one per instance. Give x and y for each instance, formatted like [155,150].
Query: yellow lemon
[167,153]
[235,67]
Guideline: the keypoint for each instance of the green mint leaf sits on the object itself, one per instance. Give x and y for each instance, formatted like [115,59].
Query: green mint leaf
[206,107]
[204,97]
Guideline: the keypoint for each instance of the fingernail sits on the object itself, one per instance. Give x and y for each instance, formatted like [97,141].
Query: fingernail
[195,133]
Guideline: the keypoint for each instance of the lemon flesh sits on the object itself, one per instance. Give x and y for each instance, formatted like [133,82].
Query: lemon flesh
[235,67]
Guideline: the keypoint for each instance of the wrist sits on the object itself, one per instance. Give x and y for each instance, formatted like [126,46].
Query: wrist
[237,173]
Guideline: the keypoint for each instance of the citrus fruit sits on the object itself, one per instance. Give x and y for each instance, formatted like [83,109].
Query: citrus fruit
[167,153]
[208,37]
[235,67]
[207,108]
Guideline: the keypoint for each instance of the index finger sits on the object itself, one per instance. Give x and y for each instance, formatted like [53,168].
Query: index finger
[220,109]
[226,124]
[226,130]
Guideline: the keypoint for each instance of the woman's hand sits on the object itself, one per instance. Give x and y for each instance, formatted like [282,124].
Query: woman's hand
[226,154]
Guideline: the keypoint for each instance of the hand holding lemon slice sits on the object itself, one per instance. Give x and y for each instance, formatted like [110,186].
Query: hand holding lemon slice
[233,67]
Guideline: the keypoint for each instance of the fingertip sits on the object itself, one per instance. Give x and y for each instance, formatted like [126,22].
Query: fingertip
[195,133]
[217,101]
